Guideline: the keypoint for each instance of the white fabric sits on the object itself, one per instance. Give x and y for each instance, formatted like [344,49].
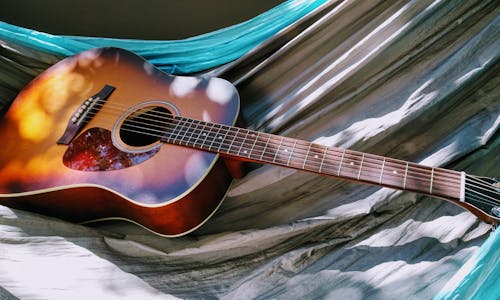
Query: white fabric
[415,80]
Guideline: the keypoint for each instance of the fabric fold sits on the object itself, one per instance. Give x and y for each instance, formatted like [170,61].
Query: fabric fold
[414,80]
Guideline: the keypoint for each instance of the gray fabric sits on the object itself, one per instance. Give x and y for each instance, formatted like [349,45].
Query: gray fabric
[415,80]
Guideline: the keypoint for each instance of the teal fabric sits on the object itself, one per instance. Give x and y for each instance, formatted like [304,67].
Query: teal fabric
[480,277]
[177,56]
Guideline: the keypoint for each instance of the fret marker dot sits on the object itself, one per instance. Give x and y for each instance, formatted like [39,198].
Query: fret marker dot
[316,156]
[219,137]
[286,150]
[245,151]
[394,172]
[352,163]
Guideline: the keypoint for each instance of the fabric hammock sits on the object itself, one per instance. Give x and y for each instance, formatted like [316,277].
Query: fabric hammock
[178,56]
[409,79]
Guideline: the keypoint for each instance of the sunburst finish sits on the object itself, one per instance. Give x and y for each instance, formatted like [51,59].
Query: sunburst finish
[32,169]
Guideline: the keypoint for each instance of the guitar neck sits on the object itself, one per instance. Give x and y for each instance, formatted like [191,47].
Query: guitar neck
[302,155]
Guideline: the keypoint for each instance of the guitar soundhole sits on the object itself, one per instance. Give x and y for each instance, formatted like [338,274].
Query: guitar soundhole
[145,126]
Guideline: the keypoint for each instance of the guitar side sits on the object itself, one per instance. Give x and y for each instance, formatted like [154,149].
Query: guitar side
[168,189]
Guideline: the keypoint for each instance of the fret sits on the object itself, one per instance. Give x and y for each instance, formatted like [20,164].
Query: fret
[283,153]
[265,147]
[382,172]
[316,155]
[189,122]
[243,142]
[181,132]
[406,176]
[248,152]
[323,160]
[171,139]
[278,150]
[206,134]
[254,143]
[296,153]
[419,178]
[184,131]
[350,163]
[307,154]
[432,179]
[340,164]
[228,151]
[393,173]
[216,137]
[199,128]
[361,166]
[256,150]
[291,153]
[447,182]
[222,140]
[168,133]
[194,135]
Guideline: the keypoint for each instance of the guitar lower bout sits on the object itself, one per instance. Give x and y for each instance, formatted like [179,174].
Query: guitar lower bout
[174,218]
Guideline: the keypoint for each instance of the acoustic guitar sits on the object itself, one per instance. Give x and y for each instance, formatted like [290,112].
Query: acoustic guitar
[106,135]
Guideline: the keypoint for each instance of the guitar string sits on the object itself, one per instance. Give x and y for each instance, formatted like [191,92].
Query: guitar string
[352,153]
[170,117]
[351,170]
[480,204]
[479,181]
[479,197]
[283,138]
[181,140]
[227,131]
[264,157]
[196,128]
[484,198]
[330,173]
[484,186]
[180,135]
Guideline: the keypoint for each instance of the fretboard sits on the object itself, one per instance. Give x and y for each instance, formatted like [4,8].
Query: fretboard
[302,155]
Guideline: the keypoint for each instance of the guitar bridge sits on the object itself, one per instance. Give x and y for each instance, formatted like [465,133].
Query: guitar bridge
[80,117]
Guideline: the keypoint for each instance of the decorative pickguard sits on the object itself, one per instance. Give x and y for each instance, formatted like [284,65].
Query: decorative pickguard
[93,150]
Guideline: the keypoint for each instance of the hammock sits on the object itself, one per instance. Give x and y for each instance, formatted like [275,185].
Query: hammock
[178,56]
[355,74]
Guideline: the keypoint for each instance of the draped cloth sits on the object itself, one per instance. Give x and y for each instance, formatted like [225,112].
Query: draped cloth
[414,80]
[177,56]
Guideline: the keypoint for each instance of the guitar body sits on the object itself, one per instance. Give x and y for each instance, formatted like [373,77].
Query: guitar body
[102,170]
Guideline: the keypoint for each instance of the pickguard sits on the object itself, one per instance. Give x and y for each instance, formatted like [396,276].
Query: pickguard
[93,150]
